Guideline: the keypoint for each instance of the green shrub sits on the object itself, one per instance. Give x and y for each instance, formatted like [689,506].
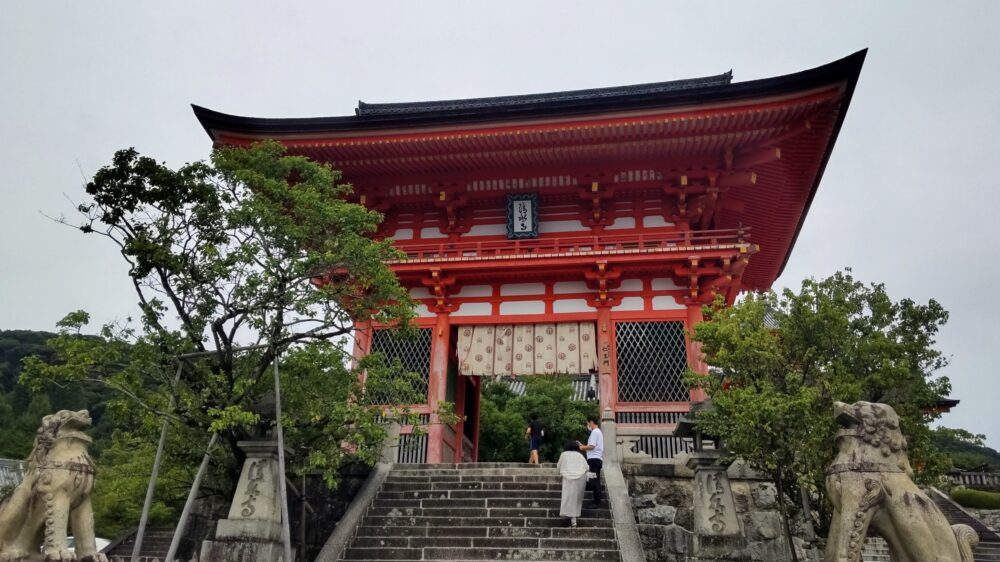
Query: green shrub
[976,498]
[504,416]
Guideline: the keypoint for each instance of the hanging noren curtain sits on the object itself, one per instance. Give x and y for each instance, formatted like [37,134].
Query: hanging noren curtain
[527,349]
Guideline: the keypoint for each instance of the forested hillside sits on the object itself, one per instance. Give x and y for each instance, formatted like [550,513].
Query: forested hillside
[966,450]
[21,411]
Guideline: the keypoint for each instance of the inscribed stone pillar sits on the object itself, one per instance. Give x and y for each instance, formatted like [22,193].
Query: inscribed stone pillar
[717,530]
[252,531]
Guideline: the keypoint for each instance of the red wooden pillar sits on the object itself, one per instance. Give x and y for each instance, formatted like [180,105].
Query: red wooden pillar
[437,386]
[362,345]
[604,343]
[478,382]
[459,441]
[694,356]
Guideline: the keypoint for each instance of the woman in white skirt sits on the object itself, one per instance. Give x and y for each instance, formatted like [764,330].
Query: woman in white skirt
[573,468]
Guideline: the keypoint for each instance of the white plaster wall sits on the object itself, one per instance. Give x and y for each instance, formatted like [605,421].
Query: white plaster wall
[630,285]
[563,287]
[424,312]
[487,230]
[653,221]
[571,305]
[620,223]
[432,232]
[522,307]
[474,309]
[403,234]
[475,291]
[516,289]
[666,303]
[420,293]
[548,227]
[630,303]
[665,284]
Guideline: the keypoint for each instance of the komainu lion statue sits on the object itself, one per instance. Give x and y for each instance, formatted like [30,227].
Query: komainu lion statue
[870,483]
[54,496]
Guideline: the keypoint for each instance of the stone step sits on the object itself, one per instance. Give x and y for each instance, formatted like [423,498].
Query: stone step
[446,553]
[484,542]
[470,494]
[536,532]
[516,486]
[551,502]
[473,465]
[481,521]
[537,478]
[486,470]
[502,512]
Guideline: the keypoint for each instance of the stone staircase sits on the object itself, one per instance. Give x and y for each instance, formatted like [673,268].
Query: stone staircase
[155,545]
[988,549]
[482,511]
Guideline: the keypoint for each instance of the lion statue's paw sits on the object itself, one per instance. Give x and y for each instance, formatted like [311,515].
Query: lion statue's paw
[13,555]
[98,557]
[58,555]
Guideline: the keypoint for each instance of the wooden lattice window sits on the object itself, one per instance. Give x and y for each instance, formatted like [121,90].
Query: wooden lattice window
[413,352]
[652,357]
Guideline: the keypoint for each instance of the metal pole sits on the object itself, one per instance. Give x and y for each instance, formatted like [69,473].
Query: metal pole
[151,489]
[286,533]
[179,532]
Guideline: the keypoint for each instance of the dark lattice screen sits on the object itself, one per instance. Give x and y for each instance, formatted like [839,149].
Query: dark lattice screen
[651,362]
[412,449]
[414,352]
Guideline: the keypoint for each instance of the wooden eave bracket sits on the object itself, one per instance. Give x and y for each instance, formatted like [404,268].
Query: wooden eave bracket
[603,279]
[597,196]
[440,287]
[452,204]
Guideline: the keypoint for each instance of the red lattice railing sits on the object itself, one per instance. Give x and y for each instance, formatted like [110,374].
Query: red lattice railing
[671,241]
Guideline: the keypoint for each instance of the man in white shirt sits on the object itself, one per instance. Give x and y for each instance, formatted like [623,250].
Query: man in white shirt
[595,456]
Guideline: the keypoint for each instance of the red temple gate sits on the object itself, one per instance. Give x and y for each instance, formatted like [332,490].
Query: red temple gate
[577,232]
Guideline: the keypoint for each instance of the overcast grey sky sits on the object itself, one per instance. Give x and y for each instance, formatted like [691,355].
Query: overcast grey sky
[907,199]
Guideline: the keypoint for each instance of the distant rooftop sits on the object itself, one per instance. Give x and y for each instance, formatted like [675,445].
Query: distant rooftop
[370,109]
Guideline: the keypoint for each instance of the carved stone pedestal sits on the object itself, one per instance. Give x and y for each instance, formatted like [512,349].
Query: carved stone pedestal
[717,530]
[252,532]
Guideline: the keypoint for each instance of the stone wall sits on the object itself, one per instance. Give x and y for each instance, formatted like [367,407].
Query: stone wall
[989,517]
[663,503]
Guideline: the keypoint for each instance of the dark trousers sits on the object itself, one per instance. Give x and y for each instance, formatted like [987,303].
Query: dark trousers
[595,467]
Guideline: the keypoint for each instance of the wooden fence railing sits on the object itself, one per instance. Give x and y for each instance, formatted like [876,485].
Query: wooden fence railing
[977,480]
[11,473]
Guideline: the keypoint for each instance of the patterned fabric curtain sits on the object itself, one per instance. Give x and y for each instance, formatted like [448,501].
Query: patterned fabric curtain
[527,349]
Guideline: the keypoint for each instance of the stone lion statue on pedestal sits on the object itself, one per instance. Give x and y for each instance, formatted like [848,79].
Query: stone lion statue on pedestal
[54,496]
[870,483]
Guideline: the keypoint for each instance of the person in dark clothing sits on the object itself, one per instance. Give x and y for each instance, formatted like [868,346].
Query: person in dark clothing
[535,433]
[595,456]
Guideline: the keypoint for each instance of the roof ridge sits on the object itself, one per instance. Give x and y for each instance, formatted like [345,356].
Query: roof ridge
[366,109]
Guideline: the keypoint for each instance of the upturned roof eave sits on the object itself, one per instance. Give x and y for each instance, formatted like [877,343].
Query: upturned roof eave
[846,70]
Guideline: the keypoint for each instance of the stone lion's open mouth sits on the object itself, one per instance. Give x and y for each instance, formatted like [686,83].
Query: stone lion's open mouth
[845,415]
[78,420]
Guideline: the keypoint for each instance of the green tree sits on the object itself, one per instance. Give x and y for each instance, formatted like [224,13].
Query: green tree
[255,249]
[504,417]
[779,361]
